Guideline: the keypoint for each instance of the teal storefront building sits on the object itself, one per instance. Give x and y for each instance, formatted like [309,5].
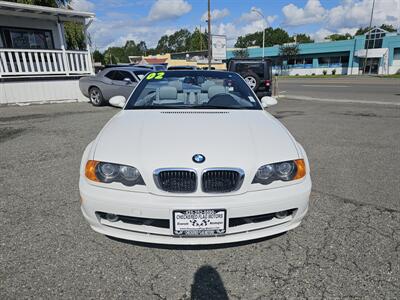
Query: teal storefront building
[378,49]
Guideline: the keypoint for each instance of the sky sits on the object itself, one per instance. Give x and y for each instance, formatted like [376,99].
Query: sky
[120,20]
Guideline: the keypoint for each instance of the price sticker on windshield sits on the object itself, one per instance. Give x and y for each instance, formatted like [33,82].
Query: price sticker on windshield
[155,75]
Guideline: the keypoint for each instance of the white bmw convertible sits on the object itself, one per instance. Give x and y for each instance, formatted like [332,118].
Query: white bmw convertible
[193,158]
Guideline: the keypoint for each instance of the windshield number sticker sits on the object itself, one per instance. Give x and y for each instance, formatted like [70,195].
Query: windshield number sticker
[157,76]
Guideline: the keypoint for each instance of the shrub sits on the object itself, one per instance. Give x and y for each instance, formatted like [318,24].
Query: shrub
[297,74]
[324,72]
[333,71]
[313,74]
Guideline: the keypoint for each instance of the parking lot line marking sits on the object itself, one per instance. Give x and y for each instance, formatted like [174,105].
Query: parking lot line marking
[325,85]
[292,97]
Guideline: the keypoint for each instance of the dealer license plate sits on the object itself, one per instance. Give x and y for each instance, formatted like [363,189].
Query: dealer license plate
[199,222]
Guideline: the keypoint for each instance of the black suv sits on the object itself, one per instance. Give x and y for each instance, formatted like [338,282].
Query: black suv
[256,72]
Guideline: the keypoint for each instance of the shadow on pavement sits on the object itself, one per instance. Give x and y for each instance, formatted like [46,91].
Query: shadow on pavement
[208,284]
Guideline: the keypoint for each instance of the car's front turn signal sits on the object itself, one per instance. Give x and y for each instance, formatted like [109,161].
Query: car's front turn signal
[90,170]
[301,169]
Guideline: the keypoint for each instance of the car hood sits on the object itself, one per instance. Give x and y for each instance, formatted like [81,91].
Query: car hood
[152,139]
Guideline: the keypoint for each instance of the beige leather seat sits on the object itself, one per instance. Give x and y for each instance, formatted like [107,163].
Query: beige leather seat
[166,94]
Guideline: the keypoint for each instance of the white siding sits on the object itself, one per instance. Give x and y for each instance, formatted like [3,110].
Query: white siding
[40,91]
[309,71]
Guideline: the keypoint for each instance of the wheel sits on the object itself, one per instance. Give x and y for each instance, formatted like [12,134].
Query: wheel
[96,97]
[252,80]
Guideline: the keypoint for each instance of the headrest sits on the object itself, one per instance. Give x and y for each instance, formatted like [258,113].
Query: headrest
[168,92]
[216,89]
[205,85]
[177,84]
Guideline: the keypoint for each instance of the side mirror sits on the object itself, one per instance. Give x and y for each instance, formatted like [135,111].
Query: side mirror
[268,101]
[127,80]
[118,101]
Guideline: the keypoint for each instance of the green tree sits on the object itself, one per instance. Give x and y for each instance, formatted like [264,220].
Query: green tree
[277,36]
[98,56]
[179,41]
[115,55]
[74,36]
[246,41]
[303,38]
[288,52]
[386,27]
[142,48]
[49,3]
[338,37]
[241,53]
[130,49]
[198,41]
[163,45]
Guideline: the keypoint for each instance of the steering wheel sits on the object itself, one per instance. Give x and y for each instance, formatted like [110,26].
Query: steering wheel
[222,99]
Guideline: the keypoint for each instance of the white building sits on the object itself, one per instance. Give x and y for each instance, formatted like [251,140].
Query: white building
[35,65]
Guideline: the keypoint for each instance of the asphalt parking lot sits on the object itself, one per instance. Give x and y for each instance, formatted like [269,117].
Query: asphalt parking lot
[357,89]
[348,246]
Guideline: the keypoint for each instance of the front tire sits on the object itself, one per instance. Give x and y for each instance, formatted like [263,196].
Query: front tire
[96,97]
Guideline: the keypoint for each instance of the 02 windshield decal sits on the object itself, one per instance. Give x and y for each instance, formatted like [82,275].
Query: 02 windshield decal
[157,76]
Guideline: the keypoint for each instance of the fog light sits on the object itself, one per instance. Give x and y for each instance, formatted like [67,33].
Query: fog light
[281,214]
[111,217]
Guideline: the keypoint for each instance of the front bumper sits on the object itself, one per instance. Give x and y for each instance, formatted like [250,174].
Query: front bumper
[146,205]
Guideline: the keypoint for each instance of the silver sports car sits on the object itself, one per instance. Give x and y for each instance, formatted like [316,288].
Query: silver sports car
[110,82]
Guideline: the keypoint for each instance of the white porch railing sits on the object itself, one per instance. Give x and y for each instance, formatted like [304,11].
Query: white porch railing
[23,62]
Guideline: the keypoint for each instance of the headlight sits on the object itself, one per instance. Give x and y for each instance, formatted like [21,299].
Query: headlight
[108,172]
[285,171]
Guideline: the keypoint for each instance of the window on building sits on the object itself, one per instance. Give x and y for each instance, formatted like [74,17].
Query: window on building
[344,59]
[308,60]
[290,61]
[374,38]
[396,53]
[323,60]
[22,38]
[334,60]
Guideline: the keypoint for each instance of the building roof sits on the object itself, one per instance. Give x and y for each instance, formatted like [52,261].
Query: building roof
[155,61]
[43,12]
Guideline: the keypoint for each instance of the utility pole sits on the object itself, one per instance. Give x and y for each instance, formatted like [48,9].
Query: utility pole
[201,39]
[263,17]
[209,36]
[366,51]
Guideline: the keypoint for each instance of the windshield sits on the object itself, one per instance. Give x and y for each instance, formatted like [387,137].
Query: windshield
[192,90]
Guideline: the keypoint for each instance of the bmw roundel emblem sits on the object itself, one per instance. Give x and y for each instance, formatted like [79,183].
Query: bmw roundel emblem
[198,158]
